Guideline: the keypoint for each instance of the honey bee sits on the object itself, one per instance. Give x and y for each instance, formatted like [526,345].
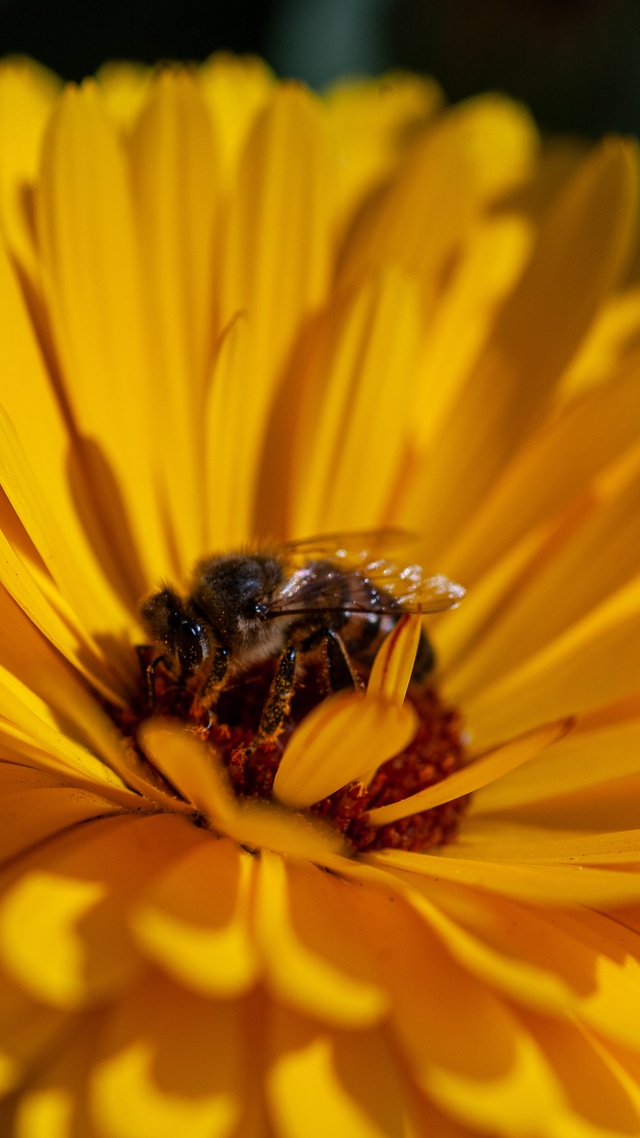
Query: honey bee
[333,596]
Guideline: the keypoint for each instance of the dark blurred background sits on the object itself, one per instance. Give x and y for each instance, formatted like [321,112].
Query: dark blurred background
[576,62]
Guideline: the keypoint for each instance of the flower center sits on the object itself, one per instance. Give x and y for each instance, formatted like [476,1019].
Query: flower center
[435,752]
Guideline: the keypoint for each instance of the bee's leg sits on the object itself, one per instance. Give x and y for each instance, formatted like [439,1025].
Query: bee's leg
[208,694]
[150,672]
[341,674]
[278,700]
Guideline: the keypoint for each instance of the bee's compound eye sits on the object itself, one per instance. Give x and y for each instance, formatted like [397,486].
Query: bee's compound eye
[254,611]
[190,645]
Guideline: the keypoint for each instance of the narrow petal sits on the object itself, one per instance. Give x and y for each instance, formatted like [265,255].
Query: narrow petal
[231,452]
[61,697]
[488,267]
[394,661]
[125,88]
[27,96]
[275,261]
[454,1031]
[342,739]
[174,189]
[235,89]
[356,367]
[598,558]
[582,249]
[477,774]
[593,663]
[150,1081]
[189,765]
[47,442]
[85,217]
[544,884]
[19,583]
[372,124]
[478,150]
[577,443]
[529,1089]
[506,840]
[578,962]
[576,763]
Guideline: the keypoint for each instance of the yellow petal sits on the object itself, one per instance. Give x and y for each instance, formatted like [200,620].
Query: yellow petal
[85,217]
[575,763]
[472,777]
[174,189]
[152,1077]
[27,95]
[579,961]
[30,718]
[613,335]
[596,559]
[276,252]
[45,1114]
[46,440]
[373,123]
[555,884]
[195,770]
[235,88]
[356,368]
[189,765]
[576,444]
[592,663]
[598,1095]
[73,893]
[511,841]
[231,453]
[299,1080]
[394,661]
[527,1094]
[298,975]
[150,1112]
[342,739]
[582,248]
[479,149]
[488,268]
[478,948]
[194,921]
[275,255]
[60,696]
[17,579]
[30,816]
[125,88]
[43,908]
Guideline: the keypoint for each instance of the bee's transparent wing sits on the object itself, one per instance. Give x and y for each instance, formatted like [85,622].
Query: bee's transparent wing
[411,589]
[368,586]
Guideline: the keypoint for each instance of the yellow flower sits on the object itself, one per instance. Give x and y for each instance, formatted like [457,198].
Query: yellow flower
[232,312]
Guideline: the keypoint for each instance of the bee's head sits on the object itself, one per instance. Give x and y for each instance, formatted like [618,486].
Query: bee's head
[232,594]
[167,621]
